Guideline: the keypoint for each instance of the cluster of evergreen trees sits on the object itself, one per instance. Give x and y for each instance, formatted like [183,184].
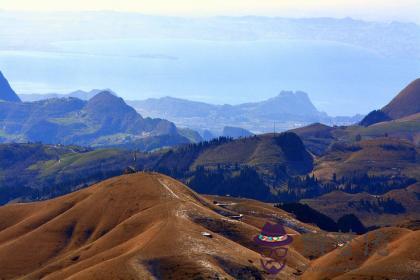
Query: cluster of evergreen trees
[371,184]
[247,181]
[309,186]
[239,182]
[379,206]
[306,214]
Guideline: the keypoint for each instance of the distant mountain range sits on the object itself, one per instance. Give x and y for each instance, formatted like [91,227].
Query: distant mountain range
[103,120]
[285,111]
[387,38]
[235,132]
[84,95]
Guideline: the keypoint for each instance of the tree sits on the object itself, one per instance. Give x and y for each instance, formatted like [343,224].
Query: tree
[350,223]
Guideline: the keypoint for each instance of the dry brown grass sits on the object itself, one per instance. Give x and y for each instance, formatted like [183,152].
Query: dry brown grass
[136,226]
[149,226]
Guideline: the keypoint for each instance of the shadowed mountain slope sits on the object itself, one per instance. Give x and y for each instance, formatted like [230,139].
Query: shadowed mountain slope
[6,92]
[395,207]
[375,116]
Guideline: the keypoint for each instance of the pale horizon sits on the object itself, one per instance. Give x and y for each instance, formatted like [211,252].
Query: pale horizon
[369,10]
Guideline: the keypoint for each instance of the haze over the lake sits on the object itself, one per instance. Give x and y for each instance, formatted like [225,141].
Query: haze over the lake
[402,10]
[346,66]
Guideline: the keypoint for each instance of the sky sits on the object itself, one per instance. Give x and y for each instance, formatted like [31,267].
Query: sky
[384,10]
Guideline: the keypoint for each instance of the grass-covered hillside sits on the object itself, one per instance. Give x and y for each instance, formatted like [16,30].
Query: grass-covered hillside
[35,171]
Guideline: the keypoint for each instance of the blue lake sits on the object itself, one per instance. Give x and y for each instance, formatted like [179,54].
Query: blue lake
[340,79]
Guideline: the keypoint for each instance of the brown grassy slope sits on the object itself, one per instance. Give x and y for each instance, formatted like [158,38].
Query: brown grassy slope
[404,128]
[406,103]
[135,226]
[380,156]
[394,255]
[257,213]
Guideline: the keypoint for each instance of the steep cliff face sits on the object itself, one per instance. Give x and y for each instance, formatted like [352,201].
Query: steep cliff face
[6,91]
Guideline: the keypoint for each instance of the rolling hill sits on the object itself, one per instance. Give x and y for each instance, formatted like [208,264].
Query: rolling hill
[150,226]
[399,119]
[373,166]
[271,167]
[265,151]
[406,103]
[34,171]
[386,253]
[314,163]
[138,226]
[380,156]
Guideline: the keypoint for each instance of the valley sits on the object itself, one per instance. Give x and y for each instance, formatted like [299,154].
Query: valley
[93,186]
[147,225]
[91,189]
[371,171]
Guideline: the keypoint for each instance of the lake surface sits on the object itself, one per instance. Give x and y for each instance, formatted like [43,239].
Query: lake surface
[340,79]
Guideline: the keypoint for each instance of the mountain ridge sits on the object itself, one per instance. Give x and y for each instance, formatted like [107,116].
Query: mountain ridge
[6,91]
[287,110]
[406,103]
[104,120]
[81,94]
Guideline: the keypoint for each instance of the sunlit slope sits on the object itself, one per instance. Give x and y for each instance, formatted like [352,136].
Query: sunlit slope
[380,156]
[263,151]
[135,226]
[406,103]
[393,256]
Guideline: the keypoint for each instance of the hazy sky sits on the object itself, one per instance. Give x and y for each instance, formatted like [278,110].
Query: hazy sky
[405,10]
